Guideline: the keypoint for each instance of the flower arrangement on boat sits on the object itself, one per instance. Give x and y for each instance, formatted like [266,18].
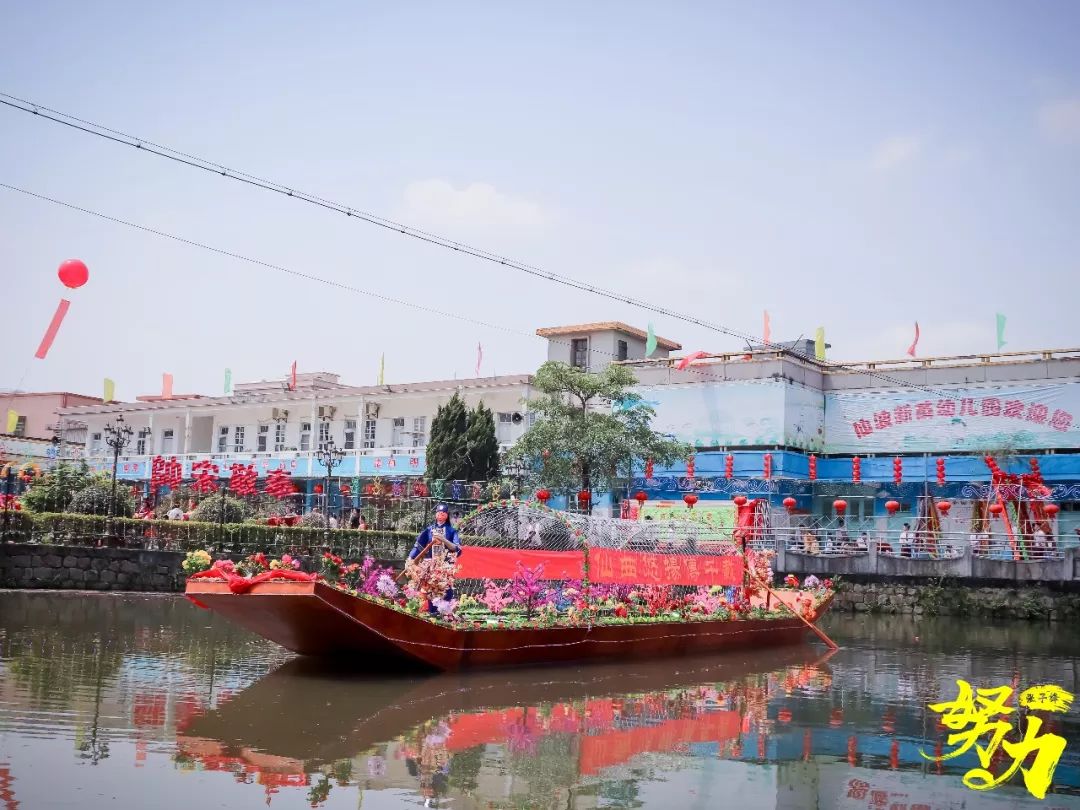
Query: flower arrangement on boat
[527,599]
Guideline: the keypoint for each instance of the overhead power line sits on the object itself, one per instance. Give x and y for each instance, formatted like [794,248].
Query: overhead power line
[193,161]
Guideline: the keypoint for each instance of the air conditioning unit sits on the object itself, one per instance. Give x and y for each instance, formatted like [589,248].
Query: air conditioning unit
[371,410]
[517,418]
[327,412]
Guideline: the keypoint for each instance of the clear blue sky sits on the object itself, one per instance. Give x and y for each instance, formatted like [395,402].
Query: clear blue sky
[852,165]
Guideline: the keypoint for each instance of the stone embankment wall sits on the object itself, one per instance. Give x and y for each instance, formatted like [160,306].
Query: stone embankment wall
[84,568]
[947,598]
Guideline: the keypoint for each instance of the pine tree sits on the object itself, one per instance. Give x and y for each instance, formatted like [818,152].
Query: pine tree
[483,446]
[447,450]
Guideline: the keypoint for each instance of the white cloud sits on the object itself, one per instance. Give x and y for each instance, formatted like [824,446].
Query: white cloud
[1060,120]
[475,205]
[894,151]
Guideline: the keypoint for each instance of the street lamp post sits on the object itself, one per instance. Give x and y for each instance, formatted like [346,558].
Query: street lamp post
[516,471]
[117,436]
[331,457]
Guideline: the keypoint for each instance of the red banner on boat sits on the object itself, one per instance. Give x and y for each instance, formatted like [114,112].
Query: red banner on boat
[478,562]
[642,568]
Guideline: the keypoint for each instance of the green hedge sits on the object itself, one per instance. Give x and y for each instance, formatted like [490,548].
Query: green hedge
[187,535]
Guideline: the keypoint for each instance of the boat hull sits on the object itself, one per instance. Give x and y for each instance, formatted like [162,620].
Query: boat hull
[312,618]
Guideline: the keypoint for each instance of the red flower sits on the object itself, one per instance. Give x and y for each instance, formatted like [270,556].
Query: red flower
[621,611]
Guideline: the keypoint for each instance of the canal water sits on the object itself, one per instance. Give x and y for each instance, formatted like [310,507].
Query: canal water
[146,701]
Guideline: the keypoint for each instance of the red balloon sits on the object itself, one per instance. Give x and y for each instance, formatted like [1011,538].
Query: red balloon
[73,273]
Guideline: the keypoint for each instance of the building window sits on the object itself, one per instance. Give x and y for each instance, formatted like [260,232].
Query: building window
[369,433]
[20,426]
[622,352]
[262,438]
[350,434]
[397,439]
[95,443]
[167,437]
[419,427]
[579,353]
[504,427]
[279,436]
[222,438]
[305,437]
[140,444]
[324,434]
[238,439]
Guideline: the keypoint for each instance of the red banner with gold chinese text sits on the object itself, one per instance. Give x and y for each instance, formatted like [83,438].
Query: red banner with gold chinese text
[642,568]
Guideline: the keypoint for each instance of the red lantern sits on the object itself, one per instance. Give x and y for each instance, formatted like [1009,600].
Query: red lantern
[840,506]
[856,470]
[346,491]
[766,462]
[640,497]
[73,273]
[690,499]
[729,466]
[1052,509]
[542,495]
[789,503]
[649,468]
[739,500]
[318,489]
[812,463]
[944,507]
[583,497]
[892,507]
[898,470]
[941,472]
[690,467]
[996,509]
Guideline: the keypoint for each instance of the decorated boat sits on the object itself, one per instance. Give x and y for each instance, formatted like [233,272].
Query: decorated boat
[530,586]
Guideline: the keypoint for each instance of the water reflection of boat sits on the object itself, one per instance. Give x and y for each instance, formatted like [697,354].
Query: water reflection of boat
[312,618]
[323,713]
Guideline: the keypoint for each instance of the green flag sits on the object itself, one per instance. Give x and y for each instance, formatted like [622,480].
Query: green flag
[819,343]
[650,342]
[1000,331]
[228,382]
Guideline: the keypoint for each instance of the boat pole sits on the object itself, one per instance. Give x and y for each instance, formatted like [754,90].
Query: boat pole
[418,556]
[820,633]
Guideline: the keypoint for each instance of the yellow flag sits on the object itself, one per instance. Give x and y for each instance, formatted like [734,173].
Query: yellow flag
[12,421]
[382,370]
[819,343]
[110,390]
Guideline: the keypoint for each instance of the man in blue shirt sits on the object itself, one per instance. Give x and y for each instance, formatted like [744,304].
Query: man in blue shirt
[438,539]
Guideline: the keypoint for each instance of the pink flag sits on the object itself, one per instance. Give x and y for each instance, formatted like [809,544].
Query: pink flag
[166,386]
[768,330]
[54,327]
[479,358]
[292,377]
[690,358]
[911,349]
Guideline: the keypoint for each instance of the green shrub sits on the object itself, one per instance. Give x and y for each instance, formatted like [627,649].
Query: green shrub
[53,491]
[209,510]
[93,499]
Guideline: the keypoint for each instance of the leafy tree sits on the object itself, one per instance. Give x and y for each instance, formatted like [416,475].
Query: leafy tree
[589,429]
[448,450]
[55,489]
[482,445]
